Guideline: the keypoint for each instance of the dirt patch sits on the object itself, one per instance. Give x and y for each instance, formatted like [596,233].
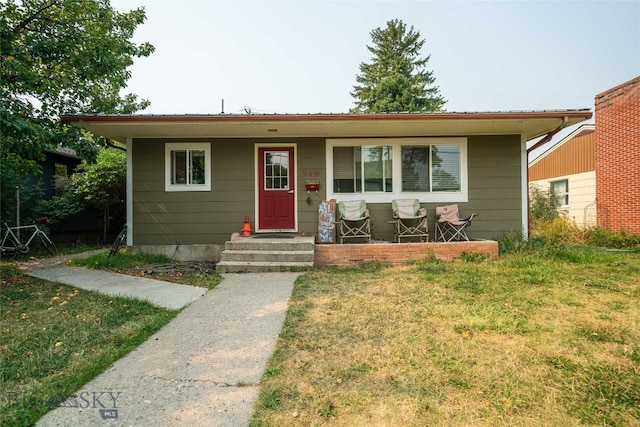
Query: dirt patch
[186,273]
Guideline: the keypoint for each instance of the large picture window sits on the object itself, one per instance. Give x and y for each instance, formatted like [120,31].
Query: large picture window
[187,167]
[432,169]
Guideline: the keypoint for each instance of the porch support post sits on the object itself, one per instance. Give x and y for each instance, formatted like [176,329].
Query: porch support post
[129,192]
[524,159]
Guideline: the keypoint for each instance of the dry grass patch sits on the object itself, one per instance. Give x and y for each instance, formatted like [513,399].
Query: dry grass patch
[525,340]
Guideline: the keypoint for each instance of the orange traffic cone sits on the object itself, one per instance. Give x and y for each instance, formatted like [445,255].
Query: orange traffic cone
[246,228]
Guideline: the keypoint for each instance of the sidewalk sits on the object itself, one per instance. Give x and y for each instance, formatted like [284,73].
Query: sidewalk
[158,293]
[202,369]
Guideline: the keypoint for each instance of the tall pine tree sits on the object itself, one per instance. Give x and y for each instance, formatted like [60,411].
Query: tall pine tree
[396,80]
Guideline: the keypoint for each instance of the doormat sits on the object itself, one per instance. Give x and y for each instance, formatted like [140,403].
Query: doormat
[273,236]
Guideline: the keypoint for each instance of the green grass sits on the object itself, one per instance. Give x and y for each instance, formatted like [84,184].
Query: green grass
[121,260]
[152,266]
[55,338]
[542,337]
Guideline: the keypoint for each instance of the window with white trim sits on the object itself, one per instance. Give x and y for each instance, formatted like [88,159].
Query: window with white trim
[431,169]
[188,166]
[561,190]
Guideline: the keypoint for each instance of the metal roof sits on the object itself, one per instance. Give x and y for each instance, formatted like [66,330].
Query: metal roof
[531,124]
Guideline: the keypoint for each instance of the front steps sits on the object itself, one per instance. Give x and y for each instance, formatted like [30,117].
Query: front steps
[272,253]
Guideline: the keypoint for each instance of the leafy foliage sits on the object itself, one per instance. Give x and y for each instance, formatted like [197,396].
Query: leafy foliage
[543,204]
[61,57]
[100,186]
[396,80]
[14,169]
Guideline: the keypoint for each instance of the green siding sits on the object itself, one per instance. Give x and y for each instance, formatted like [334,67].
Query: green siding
[210,217]
[169,218]
[494,167]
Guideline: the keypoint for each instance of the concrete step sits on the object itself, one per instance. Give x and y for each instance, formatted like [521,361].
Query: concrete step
[266,245]
[239,266]
[267,256]
[272,253]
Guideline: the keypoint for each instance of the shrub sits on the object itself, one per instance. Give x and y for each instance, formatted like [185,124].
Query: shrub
[598,236]
[558,230]
[543,205]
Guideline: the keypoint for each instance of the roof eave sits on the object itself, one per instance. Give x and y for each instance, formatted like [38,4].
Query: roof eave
[122,127]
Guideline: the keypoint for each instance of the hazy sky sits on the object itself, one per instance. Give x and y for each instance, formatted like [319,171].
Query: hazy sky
[303,56]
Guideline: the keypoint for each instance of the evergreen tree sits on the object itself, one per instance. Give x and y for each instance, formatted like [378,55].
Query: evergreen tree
[396,80]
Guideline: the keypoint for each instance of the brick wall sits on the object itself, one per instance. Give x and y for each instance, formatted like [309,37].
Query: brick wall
[617,157]
[398,253]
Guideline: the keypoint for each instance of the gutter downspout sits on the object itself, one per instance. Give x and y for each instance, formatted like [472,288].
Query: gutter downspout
[544,140]
[548,137]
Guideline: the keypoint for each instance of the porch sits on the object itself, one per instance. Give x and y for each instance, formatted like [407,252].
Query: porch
[349,254]
[276,252]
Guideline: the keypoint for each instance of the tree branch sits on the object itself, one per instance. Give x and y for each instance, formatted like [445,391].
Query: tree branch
[22,25]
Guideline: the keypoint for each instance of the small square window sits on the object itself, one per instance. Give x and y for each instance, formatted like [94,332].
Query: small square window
[187,167]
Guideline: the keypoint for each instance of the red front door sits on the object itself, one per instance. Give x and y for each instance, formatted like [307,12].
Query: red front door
[276,188]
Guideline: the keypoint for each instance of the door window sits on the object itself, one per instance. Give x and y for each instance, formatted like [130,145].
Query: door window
[276,170]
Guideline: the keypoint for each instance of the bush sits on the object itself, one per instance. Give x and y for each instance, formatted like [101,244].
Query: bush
[543,205]
[558,230]
[598,236]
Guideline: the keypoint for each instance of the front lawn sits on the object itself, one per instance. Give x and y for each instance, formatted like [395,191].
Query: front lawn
[528,340]
[54,338]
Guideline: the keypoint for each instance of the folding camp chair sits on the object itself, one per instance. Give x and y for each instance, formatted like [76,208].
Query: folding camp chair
[353,220]
[449,226]
[410,219]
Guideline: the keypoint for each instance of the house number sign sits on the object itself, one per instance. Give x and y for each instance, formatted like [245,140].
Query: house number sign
[310,173]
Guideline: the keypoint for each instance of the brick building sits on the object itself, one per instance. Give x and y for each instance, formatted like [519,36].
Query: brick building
[617,157]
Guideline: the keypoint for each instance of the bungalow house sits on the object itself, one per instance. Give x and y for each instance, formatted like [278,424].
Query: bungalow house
[192,179]
[568,168]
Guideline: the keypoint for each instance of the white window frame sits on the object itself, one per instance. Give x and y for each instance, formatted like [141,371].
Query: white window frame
[461,196]
[187,146]
[558,195]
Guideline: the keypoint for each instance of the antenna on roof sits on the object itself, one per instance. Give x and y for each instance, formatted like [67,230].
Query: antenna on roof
[222,112]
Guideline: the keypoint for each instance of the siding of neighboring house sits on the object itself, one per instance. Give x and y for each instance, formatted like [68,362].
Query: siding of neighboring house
[57,168]
[169,218]
[573,160]
[577,155]
[617,157]
[581,207]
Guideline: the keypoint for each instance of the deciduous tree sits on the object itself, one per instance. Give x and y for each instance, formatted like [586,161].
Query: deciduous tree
[61,57]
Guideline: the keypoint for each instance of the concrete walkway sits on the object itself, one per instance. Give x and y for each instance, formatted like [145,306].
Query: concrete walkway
[158,293]
[201,369]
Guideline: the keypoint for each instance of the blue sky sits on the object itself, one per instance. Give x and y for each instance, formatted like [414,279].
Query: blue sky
[303,56]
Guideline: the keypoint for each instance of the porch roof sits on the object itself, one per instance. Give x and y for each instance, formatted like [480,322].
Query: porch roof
[531,124]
